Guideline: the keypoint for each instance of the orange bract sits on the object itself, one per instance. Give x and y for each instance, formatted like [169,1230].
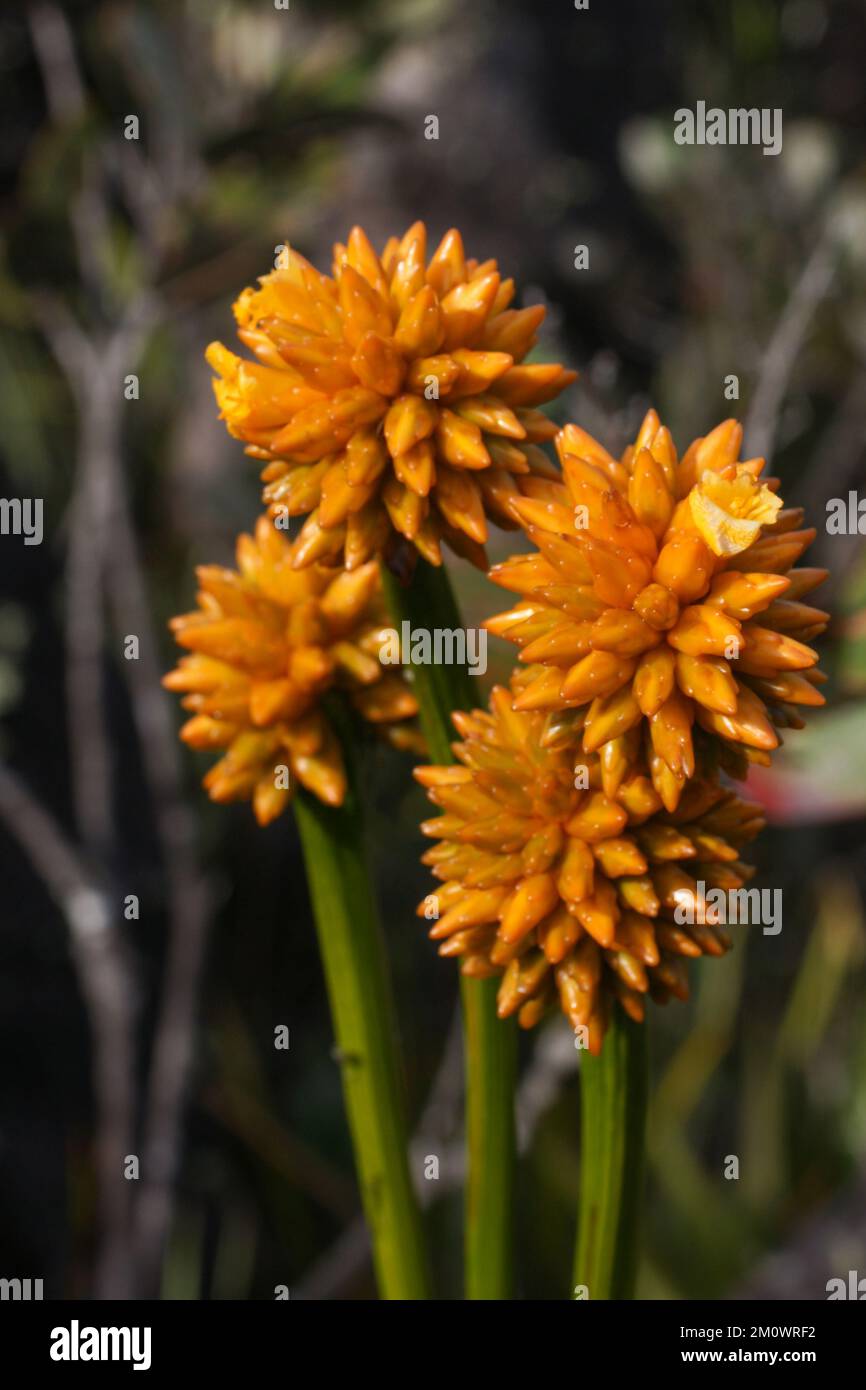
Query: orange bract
[570,894]
[662,597]
[267,642]
[389,401]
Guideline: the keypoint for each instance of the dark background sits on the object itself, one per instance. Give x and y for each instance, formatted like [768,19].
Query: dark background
[259,126]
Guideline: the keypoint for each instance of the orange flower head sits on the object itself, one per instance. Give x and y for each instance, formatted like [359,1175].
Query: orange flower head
[267,642]
[389,400]
[663,597]
[570,894]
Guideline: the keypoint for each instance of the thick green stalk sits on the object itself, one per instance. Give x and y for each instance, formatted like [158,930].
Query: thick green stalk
[362,1007]
[613,1094]
[428,602]
[490,1044]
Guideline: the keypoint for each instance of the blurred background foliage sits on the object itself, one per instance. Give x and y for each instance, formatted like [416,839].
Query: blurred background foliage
[259,126]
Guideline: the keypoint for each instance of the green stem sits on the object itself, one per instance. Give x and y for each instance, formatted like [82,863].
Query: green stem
[490,1043]
[428,602]
[356,972]
[613,1092]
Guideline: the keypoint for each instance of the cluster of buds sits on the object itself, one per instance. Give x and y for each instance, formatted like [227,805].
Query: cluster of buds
[389,400]
[268,642]
[571,893]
